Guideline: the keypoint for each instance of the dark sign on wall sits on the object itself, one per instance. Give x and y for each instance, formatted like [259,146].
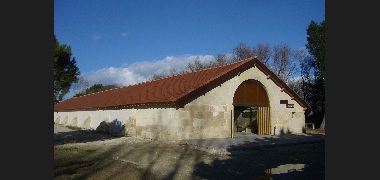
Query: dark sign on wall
[283,101]
[289,105]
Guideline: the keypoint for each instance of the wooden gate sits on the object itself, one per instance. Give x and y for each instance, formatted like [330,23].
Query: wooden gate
[252,93]
[263,121]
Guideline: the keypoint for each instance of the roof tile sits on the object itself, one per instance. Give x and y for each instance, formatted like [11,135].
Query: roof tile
[177,89]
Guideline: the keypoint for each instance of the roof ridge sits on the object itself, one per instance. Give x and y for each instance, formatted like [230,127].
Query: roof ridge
[208,75]
[217,76]
[186,72]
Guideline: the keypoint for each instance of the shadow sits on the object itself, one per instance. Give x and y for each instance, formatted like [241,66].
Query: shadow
[291,156]
[134,158]
[126,158]
[283,131]
[316,118]
[250,157]
[115,127]
[268,158]
[81,136]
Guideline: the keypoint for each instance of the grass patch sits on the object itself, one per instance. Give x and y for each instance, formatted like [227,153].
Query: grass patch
[74,127]
[88,151]
[315,131]
[75,149]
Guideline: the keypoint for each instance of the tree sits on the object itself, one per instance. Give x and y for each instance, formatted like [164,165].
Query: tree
[306,71]
[296,85]
[316,67]
[65,70]
[220,60]
[241,51]
[96,88]
[316,45]
[157,76]
[197,65]
[283,62]
[81,85]
[263,52]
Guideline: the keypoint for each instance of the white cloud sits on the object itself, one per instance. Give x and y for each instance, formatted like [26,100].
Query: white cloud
[96,37]
[124,34]
[148,68]
[130,74]
[118,76]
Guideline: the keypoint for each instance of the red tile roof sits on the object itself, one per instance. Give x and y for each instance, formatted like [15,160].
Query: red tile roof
[174,91]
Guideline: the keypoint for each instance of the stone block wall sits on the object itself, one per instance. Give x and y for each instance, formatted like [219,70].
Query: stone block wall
[208,116]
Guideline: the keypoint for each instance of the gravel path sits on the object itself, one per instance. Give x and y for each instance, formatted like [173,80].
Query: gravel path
[81,154]
[60,128]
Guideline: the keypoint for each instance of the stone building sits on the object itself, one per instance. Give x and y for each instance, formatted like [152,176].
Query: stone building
[240,97]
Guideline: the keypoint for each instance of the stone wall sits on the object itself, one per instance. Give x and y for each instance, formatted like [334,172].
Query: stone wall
[208,116]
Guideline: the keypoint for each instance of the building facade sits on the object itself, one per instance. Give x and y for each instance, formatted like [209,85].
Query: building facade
[244,96]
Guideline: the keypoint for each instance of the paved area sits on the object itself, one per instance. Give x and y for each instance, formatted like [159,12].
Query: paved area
[84,154]
[61,128]
[240,143]
[244,141]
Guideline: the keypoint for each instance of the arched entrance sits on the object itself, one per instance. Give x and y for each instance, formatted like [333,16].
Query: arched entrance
[251,108]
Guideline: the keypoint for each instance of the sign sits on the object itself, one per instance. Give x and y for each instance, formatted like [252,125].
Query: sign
[290,106]
[283,101]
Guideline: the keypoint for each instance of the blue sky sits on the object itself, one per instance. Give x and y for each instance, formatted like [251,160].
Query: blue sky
[124,42]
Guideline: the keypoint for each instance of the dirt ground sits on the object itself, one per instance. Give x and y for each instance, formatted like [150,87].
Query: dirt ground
[80,154]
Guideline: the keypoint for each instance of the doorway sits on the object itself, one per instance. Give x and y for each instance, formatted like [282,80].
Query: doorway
[251,109]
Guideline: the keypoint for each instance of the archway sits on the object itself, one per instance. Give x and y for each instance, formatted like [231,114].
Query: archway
[251,108]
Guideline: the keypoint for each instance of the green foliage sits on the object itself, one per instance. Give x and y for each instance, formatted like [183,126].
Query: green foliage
[316,45]
[65,70]
[316,66]
[74,127]
[95,88]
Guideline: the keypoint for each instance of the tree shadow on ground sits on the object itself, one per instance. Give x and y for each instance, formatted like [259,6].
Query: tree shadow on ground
[133,159]
[249,161]
[136,158]
[81,136]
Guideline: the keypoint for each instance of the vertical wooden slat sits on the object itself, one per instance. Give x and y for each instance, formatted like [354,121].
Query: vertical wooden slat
[266,113]
[232,125]
[269,121]
[263,111]
[266,121]
[258,121]
[263,121]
